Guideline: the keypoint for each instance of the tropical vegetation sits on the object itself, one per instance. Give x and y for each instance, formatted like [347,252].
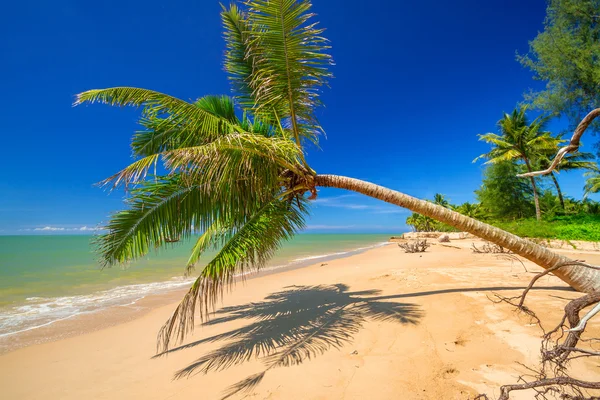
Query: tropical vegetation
[566,56]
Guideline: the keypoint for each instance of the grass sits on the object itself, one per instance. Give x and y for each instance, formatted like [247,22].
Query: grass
[566,227]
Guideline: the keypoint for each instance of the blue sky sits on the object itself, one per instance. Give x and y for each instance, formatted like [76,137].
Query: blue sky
[414,83]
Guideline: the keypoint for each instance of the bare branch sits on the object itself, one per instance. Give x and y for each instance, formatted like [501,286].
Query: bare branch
[571,147]
[581,325]
[559,381]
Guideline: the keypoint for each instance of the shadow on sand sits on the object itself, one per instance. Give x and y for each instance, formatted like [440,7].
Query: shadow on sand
[300,323]
[291,326]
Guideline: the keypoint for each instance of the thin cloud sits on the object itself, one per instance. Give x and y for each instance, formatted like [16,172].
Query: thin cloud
[395,210]
[338,202]
[50,228]
[345,227]
[328,227]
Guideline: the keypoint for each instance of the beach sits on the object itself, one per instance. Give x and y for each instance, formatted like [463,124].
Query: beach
[380,324]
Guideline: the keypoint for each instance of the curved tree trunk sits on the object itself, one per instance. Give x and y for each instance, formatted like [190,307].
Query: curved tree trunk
[536,199]
[558,191]
[580,278]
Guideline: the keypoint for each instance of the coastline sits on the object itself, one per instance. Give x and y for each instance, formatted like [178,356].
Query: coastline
[385,322]
[153,295]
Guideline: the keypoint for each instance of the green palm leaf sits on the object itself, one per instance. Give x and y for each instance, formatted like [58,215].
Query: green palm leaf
[290,61]
[239,60]
[592,184]
[247,245]
[236,153]
[162,133]
[159,212]
[195,125]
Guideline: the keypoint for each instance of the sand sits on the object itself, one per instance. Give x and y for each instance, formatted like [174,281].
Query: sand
[378,325]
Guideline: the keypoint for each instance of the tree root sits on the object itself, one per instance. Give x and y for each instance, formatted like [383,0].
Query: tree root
[558,348]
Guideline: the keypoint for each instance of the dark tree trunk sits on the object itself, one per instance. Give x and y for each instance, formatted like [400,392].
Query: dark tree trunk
[536,199]
[558,191]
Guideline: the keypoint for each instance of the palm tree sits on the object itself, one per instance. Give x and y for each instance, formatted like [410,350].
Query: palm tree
[441,200]
[470,210]
[520,140]
[242,182]
[592,183]
[571,162]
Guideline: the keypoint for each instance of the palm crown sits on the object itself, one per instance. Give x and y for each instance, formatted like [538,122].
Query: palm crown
[238,180]
[520,140]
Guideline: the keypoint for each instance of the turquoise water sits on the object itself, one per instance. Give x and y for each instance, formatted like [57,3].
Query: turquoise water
[48,278]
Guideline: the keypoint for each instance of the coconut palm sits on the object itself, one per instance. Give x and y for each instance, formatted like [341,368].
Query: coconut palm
[520,140]
[592,183]
[441,200]
[470,210]
[243,181]
[571,162]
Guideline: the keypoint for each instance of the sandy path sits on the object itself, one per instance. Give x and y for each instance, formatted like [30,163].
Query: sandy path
[378,325]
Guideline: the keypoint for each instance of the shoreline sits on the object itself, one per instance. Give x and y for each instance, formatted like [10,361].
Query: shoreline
[379,324]
[103,317]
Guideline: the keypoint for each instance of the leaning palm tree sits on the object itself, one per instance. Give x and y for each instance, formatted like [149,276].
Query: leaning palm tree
[571,162]
[520,140]
[241,179]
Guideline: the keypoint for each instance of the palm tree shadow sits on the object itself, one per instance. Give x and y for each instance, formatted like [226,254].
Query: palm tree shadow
[291,326]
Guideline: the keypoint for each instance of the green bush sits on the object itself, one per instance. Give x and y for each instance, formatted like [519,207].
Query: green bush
[565,227]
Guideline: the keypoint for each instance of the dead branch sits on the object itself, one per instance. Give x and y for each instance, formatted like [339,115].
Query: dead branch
[549,382]
[544,273]
[559,347]
[490,248]
[512,258]
[418,246]
[571,147]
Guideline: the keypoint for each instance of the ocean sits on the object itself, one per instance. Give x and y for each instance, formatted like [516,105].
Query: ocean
[44,279]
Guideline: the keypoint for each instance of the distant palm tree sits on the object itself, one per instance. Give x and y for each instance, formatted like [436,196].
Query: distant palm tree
[571,162]
[242,181]
[441,200]
[520,140]
[470,210]
[592,184]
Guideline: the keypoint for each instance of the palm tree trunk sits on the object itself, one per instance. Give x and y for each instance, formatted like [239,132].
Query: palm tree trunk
[558,191]
[536,200]
[580,278]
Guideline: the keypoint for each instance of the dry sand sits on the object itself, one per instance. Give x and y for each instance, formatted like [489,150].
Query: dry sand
[379,325]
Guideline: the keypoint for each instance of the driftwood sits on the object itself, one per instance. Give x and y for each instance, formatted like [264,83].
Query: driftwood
[490,248]
[573,145]
[418,246]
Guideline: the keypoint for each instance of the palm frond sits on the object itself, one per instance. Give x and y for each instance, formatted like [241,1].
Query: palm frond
[214,236]
[251,245]
[277,151]
[168,133]
[194,124]
[225,153]
[160,211]
[133,173]
[239,59]
[290,62]
[592,184]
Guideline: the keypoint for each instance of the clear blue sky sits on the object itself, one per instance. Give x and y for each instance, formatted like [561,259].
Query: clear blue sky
[414,83]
